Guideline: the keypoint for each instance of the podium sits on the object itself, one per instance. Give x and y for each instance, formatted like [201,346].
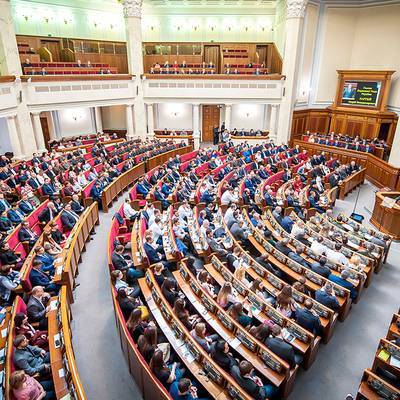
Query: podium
[386,214]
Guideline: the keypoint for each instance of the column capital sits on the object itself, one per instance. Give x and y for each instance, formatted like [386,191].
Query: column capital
[296,8]
[228,105]
[35,113]
[149,104]
[11,117]
[132,8]
[274,105]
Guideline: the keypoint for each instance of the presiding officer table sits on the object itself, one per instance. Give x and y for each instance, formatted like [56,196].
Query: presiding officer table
[386,214]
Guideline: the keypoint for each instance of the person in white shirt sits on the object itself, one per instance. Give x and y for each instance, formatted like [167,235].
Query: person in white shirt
[318,247]
[150,210]
[129,212]
[204,227]
[82,179]
[229,213]
[298,228]
[229,197]
[157,228]
[336,257]
[184,211]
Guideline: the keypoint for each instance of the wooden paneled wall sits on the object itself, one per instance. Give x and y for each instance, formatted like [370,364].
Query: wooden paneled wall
[313,120]
[350,122]
[379,172]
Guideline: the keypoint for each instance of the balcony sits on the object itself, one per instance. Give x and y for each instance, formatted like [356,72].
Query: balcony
[8,94]
[213,88]
[42,92]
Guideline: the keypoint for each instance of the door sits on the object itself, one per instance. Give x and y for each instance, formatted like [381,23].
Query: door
[46,131]
[210,121]
[54,47]
[211,53]
[262,54]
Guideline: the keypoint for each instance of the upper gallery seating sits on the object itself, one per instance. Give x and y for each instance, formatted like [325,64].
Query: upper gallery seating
[217,252]
[66,68]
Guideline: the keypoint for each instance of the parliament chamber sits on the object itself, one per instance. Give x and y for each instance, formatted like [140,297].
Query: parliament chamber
[199,200]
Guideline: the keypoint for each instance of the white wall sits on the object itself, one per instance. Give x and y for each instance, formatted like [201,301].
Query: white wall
[248,116]
[113,117]
[76,121]
[5,144]
[350,38]
[174,116]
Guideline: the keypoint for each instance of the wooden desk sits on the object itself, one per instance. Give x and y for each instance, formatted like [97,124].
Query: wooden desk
[56,351]
[387,220]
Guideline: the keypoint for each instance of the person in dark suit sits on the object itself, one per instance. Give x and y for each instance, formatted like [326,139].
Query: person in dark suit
[334,180]
[25,206]
[296,256]
[282,246]
[215,135]
[48,213]
[68,217]
[26,234]
[121,263]
[308,319]
[37,307]
[269,198]
[48,188]
[282,349]
[342,281]
[15,215]
[159,196]
[38,278]
[245,376]
[154,252]
[95,192]
[320,268]
[326,296]
[4,204]
[76,205]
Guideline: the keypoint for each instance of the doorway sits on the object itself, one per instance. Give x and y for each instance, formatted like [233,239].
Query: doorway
[211,53]
[46,131]
[54,47]
[261,51]
[210,121]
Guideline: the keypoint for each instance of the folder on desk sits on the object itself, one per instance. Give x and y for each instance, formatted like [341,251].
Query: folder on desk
[384,355]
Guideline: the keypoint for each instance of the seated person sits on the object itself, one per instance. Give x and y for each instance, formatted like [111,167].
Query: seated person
[326,296]
[31,359]
[308,318]
[76,205]
[6,226]
[9,281]
[68,217]
[121,263]
[46,259]
[342,281]
[214,244]
[126,302]
[10,257]
[37,307]
[38,278]
[25,387]
[35,337]
[166,374]
[221,355]
[245,376]
[207,342]
[236,312]
[284,350]
[15,215]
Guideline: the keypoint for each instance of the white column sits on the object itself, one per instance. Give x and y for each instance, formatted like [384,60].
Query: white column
[133,26]
[9,57]
[99,121]
[267,112]
[14,138]
[394,158]
[294,24]
[272,122]
[228,116]
[26,131]
[196,117]
[37,128]
[130,132]
[150,120]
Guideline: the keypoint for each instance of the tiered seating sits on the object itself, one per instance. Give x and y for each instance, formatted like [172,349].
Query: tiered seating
[382,380]
[68,68]
[126,158]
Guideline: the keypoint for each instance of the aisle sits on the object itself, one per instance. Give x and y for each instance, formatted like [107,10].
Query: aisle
[100,362]
[339,365]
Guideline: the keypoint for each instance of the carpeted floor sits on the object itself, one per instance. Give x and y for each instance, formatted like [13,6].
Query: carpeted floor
[336,371]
